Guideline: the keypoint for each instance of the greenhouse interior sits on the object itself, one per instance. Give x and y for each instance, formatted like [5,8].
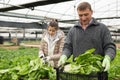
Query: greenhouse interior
[22,24]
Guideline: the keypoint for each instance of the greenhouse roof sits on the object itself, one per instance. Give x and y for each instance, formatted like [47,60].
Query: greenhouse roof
[29,11]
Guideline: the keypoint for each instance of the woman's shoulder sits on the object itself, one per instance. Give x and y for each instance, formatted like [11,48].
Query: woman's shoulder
[61,32]
[44,32]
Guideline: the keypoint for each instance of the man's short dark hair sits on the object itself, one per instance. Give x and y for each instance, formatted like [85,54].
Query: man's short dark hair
[84,5]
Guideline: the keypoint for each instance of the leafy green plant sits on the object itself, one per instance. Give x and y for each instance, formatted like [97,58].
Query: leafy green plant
[24,64]
[85,63]
[114,73]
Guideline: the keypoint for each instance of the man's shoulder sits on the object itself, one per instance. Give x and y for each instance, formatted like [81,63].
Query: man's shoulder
[102,25]
[97,23]
[61,32]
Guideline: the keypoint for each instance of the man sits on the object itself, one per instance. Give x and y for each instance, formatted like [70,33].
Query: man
[87,34]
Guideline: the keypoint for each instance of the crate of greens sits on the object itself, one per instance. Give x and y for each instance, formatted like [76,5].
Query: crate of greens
[87,66]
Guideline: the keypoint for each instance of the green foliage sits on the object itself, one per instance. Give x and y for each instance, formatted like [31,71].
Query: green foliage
[114,73]
[10,58]
[85,63]
[88,63]
[24,64]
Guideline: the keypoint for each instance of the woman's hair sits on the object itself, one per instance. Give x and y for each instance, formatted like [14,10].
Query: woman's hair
[84,5]
[54,23]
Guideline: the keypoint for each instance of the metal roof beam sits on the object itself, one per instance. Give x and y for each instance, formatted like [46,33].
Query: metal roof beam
[33,25]
[32,5]
[74,20]
[10,14]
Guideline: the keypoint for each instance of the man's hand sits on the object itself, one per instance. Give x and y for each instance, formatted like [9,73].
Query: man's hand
[106,63]
[62,60]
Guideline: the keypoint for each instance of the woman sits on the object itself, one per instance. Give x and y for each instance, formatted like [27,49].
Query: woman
[52,43]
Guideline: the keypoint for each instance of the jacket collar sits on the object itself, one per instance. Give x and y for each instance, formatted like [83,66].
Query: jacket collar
[93,22]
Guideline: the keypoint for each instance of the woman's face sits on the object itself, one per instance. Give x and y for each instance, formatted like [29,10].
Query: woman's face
[51,30]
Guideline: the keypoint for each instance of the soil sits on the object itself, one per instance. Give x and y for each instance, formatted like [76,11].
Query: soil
[118,45]
[26,44]
[9,47]
[33,45]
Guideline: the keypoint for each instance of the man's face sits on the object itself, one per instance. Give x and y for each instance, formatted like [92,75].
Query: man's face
[85,16]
